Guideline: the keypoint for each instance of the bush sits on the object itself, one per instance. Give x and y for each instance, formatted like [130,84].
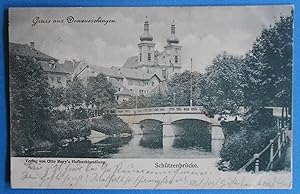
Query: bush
[60,115]
[81,113]
[110,125]
[71,128]
[231,128]
[240,147]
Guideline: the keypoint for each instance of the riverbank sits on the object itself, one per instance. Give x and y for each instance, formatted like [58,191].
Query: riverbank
[110,125]
[69,131]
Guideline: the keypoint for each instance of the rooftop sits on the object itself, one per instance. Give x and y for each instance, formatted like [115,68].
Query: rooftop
[131,62]
[24,50]
[69,66]
[52,67]
[124,90]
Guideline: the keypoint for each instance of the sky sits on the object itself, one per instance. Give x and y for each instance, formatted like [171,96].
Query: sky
[203,32]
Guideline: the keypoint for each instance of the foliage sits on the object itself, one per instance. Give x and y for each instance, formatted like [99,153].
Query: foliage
[74,95]
[100,93]
[159,100]
[135,101]
[30,103]
[269,66]
[181,86]
[239,148]
[71,128]
[230,128]
[110,125]
[222,88]
[58,96]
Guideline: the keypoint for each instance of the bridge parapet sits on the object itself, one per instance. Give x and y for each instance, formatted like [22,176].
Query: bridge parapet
[162,110]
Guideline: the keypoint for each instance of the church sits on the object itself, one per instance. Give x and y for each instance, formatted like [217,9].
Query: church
[143,73]
[165,63]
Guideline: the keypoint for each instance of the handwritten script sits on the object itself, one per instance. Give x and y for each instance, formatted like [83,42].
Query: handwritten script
[134,173]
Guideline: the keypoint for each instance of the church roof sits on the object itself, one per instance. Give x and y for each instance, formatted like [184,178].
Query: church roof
[139,74]
[24,50]
[131,62]
[122,72]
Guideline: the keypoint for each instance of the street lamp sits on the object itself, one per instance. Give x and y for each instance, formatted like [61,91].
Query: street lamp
[191,101]
[136,104]
[174,101]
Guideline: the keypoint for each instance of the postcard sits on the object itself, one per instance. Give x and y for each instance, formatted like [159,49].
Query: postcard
[151,97]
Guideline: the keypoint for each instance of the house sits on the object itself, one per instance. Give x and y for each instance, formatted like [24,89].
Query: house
[128,82]
[56,75]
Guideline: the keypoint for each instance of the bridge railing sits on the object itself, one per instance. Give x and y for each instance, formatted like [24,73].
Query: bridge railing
[159,110]
[275,148]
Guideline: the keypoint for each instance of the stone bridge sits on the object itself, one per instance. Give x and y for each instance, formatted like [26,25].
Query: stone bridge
[168,118]
[167,121]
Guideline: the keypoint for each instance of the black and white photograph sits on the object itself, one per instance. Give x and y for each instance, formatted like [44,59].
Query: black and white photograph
[151,97]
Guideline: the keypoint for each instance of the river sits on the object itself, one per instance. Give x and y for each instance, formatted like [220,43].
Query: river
[136,146]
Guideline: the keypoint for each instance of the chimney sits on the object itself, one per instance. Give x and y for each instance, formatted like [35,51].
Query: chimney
[31,44]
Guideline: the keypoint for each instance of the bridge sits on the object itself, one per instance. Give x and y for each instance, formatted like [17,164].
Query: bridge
[169,120]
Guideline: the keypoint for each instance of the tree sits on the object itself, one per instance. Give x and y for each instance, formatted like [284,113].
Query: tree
[269,66]
[30,103]
[180,85]
[135,101]
[100,93]
[74,95]
[222,86]
[58,96]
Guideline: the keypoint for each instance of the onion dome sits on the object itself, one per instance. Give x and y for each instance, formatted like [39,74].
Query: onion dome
[172,38]
[146,36]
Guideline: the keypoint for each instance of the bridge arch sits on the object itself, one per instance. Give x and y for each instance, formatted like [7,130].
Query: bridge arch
[151,126]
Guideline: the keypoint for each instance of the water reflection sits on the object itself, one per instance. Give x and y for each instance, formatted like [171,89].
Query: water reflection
[151,141]
[201,143]
[193,140]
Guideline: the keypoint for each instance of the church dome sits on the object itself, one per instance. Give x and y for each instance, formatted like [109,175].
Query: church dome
[146,36]
[172,38]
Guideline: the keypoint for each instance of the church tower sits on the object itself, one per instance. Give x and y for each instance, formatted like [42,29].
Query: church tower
[173,48]
[146,47]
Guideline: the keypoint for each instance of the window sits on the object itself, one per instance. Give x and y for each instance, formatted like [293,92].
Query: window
[148,70]
[139,83]
[52,79]
[117,97]
[140,57]
[131,90]
[164,73]
[58,80]
[176,59]
[119,89]
[129,82]
[152,83]
[149,56]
